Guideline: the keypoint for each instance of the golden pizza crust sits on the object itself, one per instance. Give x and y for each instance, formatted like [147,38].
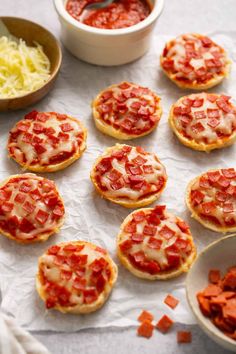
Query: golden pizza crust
[144,275]
[116,133]
[125,202]
[203,86]
[44,236]
[84,308]
[221,143]
[195,215]
[61,165]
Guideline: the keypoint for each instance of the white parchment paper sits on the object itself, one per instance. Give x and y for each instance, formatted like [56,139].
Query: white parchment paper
[88,217]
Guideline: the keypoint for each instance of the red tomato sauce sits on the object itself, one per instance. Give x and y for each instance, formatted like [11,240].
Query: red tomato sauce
[120,14]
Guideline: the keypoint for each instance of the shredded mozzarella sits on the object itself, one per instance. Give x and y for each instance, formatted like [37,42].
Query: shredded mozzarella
[23,69]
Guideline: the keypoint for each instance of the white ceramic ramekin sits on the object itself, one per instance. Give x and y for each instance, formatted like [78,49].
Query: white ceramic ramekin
[104,46]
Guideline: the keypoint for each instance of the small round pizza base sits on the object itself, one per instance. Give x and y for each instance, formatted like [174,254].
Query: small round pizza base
[195,215]
[144,275]
[42,238]
[222,143]
[197,86]
[61,165]
[85,308]
[116,133]
[122,201]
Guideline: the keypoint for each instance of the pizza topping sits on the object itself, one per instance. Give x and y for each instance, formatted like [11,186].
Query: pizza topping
[207,122]
[130,173]
[164,324]
[145,329]
[129,108]
[42,139]
[145,316]
[171,301]
[184,337]
[189,60]
[218,301]
[155,247]
[213,197]
[76,269]
[25,212]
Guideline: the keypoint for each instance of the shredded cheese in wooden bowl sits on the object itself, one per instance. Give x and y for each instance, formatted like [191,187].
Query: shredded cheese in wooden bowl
[23,68]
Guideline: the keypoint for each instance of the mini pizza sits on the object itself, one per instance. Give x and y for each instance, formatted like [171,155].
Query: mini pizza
[204,121]
[194,61]
[46,142]
[75,277]
[126,111]
[155,244]
[129,176]
[31,208]
[211,198]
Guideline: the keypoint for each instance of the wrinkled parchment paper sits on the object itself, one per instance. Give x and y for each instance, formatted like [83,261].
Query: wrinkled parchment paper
[88,217]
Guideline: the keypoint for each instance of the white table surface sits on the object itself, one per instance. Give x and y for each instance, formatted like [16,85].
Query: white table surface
[204,16]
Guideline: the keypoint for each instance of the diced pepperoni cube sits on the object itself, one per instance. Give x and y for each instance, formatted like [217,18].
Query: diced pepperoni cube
[214,276]
[117,185]
[114,175]
[60,116]
[149,230]
[27,138]
[79,283]
[154,243]
[183,226]
[39,148]
[42,117]
[58,211]
[228,208]
[187,101]
[54,249]
[65,274]
[168,64]
[139,216]
[145,316]
[107,95]
[212,290]
[23,127]
[223,182]
[139,256]
[164,324]
[28,207]
[201,72]
[104,165]
[26,226]
[213,113]
[208,207]
[51,202]
[41,216]
[154,219]
[90,295]
[126,245]
[171,301]
[229,172]
[213,122]
[211,97]
[5,195]
[159,210]
[31,115]
[124,85]
[139,160]
[221,196]
[130,227]
[197,196]
[222,104]
[63,136]
[7,207]
[66,127]
[204,182]
[197,128]
[38,128]
[166,232]
[198,102]
[25,187]
[133,169]
[138,238]
[184,337]
[145,329]
[213,176]
[35,194]
[148,169]
[20,198]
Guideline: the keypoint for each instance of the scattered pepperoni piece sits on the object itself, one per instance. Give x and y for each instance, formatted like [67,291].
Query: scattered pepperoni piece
[171,301]
[145,316]
[214,276]
[184,337]
[145,329]
[164,324]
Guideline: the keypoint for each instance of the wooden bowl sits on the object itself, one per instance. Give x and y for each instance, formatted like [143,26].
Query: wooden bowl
[31,32]
[220,255]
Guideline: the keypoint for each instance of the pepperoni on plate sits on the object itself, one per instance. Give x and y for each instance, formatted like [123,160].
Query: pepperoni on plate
[126,111]
[153,255]
[46,141]
[75,277]
[27,213]
[129,176]
[194,61]
[202,122]
[211,198]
